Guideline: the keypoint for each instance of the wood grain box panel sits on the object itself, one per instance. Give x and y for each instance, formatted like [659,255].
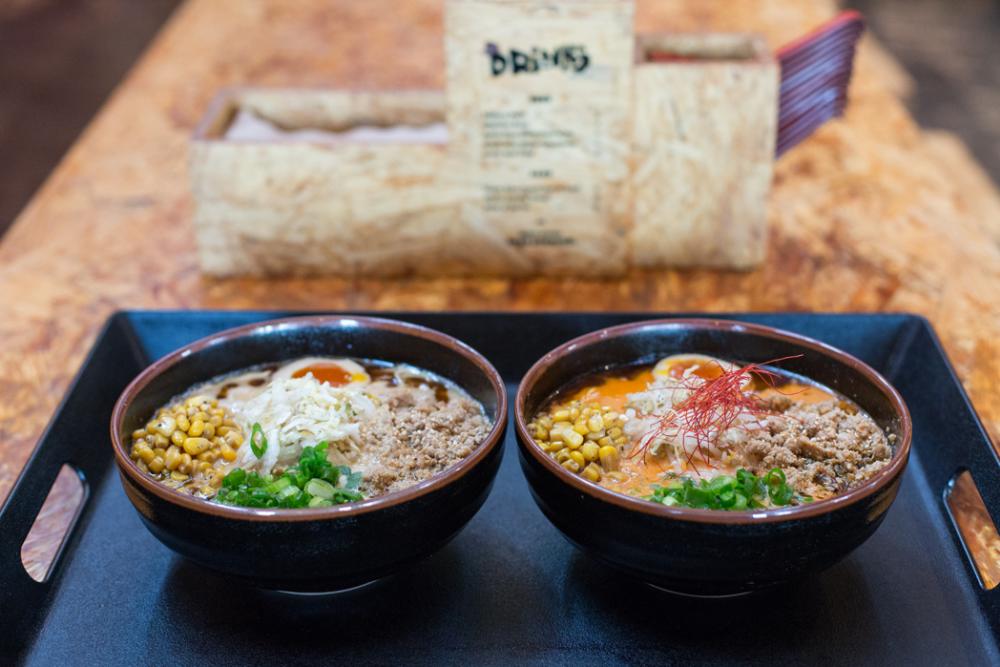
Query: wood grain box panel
[704,127]
[314,207]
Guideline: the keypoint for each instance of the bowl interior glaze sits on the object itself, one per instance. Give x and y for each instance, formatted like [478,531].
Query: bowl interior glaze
[645,342]
[288,339]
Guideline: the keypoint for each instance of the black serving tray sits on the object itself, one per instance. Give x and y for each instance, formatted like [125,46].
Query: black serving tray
[508,589]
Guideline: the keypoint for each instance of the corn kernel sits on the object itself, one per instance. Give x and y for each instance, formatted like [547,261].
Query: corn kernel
[604,442]
[562,455]
[164,425]
[572,439]
[614,431]
[183,423]
[595,423]
[173,458]
[156,465]
[590,451]
[228,453]
[138,434]
[178,437]
[578,457]
[197,428]
[195,446]
[574,414]
[609,458]
[178,476]
[592,473]
[143,451]
[571,465]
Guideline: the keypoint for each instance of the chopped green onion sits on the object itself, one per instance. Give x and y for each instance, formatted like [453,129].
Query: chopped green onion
[234,479]
[774,477]
[258,442]
[726,492]
[278,485]
[312,482]
[320,488]
[288,491]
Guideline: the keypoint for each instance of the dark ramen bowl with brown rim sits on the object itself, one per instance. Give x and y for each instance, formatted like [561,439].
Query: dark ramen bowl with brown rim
[700,551]
[313,549]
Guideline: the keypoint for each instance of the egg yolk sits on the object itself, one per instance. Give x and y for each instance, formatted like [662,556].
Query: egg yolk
[676,369]
[332,374]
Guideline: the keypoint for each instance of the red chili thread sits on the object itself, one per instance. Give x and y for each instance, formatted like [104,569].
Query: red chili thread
[711,408]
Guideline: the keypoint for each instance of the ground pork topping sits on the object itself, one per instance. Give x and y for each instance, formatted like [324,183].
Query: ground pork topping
[414,433]
[823,448]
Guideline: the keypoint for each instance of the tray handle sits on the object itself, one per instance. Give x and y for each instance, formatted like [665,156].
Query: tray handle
[967,473]
[89,396]
[975,528]
[20,594]
[23,506]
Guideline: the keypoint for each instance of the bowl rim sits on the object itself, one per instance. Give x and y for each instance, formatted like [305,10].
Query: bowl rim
[128,468]
[882,478]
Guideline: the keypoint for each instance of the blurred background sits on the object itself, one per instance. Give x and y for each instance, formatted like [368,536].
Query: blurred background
[60,59]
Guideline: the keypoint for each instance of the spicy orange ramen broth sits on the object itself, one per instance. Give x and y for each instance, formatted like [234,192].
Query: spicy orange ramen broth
[613,389]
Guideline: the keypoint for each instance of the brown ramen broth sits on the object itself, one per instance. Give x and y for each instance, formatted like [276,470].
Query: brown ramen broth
[310,432]
[698,431]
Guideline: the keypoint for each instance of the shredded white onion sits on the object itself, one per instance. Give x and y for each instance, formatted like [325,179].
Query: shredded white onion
[661,397]
[298,412]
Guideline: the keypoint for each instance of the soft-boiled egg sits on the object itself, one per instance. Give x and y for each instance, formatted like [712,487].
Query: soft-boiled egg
[335,372]
[703,366]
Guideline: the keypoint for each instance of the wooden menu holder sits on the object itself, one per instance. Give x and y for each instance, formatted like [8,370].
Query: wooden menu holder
[565,145]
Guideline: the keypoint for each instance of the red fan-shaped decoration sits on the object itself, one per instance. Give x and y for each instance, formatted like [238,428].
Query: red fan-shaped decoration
[815,72]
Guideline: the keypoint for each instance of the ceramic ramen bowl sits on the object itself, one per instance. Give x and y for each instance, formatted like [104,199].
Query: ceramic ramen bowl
[323,548]
[703,551]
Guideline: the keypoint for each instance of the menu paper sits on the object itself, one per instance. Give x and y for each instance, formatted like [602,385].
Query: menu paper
[539,108]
